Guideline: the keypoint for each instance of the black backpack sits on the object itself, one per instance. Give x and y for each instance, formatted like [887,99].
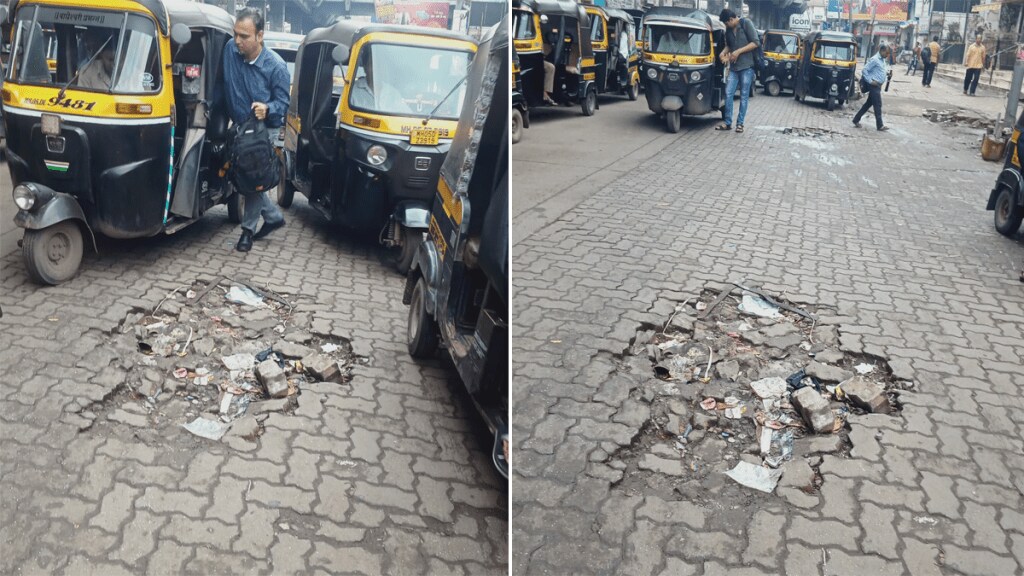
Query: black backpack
[254,165]
[759,60]
[926,55]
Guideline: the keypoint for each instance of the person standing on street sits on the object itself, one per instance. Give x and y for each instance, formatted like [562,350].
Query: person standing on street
[931,61]
[974,62]
[256,84]
[914,59]
[741,46]
[872,78]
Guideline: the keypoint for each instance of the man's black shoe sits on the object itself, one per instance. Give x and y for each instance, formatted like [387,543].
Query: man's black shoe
[267,228]
[245,242]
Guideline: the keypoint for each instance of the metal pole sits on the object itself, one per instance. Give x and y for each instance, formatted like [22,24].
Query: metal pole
[1018,76]
[871,42]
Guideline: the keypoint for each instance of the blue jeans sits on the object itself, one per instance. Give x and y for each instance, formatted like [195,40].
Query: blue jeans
[743,78]
[257,205]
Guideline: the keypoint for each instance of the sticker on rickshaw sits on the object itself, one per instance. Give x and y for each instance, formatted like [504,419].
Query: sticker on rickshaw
[69,103]
[424,136]
[438,238]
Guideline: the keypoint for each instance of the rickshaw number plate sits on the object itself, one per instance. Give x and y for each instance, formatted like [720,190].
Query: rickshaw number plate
[424,136]
[50,124]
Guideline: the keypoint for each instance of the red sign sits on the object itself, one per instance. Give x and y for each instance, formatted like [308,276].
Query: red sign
[428,14]
[884,10]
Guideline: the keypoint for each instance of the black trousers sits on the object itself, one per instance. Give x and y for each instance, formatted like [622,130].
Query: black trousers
[926,78]
[874,98]
[971,79]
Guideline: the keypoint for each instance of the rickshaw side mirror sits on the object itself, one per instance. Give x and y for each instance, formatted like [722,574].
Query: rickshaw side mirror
[340,55]
[543,18]
[181,34]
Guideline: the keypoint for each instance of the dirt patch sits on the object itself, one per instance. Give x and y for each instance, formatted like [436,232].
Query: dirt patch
[808,132]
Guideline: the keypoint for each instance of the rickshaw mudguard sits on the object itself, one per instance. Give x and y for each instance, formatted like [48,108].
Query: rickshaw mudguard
[413,215]
[60,208]
[425,263]
[1011,178]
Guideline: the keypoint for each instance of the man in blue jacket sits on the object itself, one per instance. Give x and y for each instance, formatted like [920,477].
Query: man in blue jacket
[256,83]
[872,78]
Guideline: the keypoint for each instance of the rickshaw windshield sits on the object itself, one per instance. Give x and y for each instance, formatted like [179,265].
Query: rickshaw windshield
[95,50]
[833,51]
[781,43]
[678,40]
[409,80]
[523,26]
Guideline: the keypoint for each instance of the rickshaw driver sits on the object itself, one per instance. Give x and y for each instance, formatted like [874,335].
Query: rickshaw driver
[256,83]
[670,43]
[385,98]
[97,74]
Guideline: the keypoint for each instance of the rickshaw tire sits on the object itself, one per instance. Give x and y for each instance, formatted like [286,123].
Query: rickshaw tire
[235,207]
[673,121]
[422,344]
[517,125]
[285,191]
[589,104]
[634,92]
[830,104]
[37,243]
[1008,214]
[773,89]
[411,240]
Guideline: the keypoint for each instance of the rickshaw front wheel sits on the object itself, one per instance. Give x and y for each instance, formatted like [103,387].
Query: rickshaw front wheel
[673,121]
[517,125]
[1009,214]
[830,104]
[634,91]
[421,330]
[589,104]
[773,88]
[53,255]
[411,239]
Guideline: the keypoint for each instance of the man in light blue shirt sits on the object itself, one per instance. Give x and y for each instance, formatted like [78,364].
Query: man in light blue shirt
[872,78]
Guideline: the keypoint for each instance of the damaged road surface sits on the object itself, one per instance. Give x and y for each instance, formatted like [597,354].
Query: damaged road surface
[179,408]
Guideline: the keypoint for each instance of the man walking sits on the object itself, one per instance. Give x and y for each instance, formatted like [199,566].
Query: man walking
[741,46]
[931,61]
[914,58]
[974,62]
[256,84]
[872,78]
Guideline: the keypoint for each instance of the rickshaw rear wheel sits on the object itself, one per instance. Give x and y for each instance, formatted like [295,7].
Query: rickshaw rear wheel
[411,240]
[517,125]
[673,121]
[634,91]
[830,104]
[285,190]
[53,255]
[235,207]
[1009,214]
[589,104]
[421,330]
[773,88]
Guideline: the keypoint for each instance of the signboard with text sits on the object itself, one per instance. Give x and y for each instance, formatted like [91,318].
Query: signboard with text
[800,22]
[884,11]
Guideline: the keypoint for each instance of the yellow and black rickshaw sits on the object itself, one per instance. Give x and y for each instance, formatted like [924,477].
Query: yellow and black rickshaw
[827,68]
[782,52]
[368,158]
[638,18]
[615,55]
[520,110]
[457,288]
[681,71]
[1007,197]
[557,31]
[122,139]
[286,45]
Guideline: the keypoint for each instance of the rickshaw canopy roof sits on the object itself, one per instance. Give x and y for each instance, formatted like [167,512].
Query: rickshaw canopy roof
[618,14]
[347,32]
[683,17]
[171,12]
[553,7]
[830,37]
[782,32]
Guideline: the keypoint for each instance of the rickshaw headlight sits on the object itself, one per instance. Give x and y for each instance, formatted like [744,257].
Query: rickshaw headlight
[652,73]
[835,87]
[695,76]
[24,197]
[377,155]
[835,73]
[789,65]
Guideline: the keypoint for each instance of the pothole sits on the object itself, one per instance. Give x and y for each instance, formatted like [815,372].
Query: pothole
[747,382]
[215,359]
[812,132]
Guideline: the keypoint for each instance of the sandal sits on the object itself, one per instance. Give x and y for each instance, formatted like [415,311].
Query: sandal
[723,127]
[739,129]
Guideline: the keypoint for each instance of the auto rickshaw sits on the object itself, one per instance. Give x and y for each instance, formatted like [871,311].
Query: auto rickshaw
[520,110]
[782,52]
[367,158]
[561,28]
[827,68]
[638,17]
[681,72]
[615,54]
[457,288]
[122,140]
[1007,197]
[286,46]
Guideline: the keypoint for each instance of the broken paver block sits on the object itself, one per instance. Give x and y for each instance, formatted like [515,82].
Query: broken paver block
[829,356]
[245,427]
[129,418]
[867,395]
[272,378]
[827,373]
[798,474]
[730,369]
[323,367]
[662,459]
[151,385]
[819,444]
[276,405]
[704,421]
[292,349]
[814,409]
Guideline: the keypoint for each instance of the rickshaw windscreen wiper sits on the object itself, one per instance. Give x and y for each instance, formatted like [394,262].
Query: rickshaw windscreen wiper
[445,99]
[64,88]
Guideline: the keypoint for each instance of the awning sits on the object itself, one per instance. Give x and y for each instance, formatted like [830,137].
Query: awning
[994,5]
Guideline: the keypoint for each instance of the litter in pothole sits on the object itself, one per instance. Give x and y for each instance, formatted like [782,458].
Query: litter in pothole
[215,358]
[746,384]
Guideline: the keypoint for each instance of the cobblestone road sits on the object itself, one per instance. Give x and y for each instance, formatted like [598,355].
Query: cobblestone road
[887,228]
[383,474]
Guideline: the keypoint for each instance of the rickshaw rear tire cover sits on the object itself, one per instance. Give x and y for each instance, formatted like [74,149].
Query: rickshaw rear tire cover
[517,126]
[53,254]
[411,239]
[1008,212]
[421,328]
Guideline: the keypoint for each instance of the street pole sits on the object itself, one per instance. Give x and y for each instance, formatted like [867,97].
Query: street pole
[871,42]
[1018,76]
